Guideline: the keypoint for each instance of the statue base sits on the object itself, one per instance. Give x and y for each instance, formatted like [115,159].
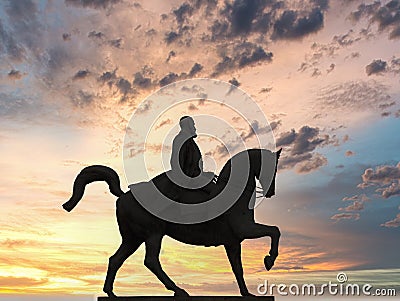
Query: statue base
[190,298]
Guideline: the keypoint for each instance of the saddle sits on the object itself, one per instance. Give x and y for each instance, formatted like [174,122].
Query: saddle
[163,186]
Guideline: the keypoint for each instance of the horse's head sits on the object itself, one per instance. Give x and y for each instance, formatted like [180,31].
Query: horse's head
[264,175]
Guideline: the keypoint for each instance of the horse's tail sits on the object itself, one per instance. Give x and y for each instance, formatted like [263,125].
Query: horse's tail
[92,174]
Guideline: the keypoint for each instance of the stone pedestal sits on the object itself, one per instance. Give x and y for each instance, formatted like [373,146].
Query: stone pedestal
[192,298]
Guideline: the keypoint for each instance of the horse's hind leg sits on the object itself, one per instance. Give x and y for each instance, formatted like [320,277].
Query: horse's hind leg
[126,249]
[152,262]
[234,255]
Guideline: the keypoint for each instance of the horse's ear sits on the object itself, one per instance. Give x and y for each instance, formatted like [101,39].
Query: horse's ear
[278,153]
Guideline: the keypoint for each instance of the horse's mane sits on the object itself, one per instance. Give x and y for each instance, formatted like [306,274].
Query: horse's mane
[255,158]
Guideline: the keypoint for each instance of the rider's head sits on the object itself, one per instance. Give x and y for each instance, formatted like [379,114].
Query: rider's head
[187,125]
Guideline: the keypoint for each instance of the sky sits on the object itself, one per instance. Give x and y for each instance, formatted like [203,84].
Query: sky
[324,73]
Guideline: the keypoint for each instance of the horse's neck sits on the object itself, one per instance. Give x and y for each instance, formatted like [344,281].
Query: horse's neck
[247,187]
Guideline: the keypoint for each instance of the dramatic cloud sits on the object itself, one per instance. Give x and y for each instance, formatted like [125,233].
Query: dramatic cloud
[382,175]
[280,20]
[291,25]
[306,140]
[141,81]
[301,144]
[125,87]
[376,67]
[349,153]
[242,55]
[386,16]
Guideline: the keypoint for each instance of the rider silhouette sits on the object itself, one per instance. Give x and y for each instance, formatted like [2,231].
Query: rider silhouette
[186,155]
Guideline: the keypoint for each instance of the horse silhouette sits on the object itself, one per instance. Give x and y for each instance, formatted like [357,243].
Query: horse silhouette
[138,225]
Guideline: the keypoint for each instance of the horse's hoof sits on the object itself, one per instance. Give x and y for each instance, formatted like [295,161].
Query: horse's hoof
[268,262]
[110,294]
[247,294]
[181,293]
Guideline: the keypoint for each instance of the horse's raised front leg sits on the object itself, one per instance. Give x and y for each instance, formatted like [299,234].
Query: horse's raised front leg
[234,255]
[152,262]
[126,249]
[254,230]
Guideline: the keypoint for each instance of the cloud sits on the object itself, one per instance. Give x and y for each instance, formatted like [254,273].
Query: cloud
[66,36]
[168,79]
[387,105]
[256,129]
[82,98]
[97,4]
[171,36]
[314,163]
[389,191]
[163,123]
[242,13]
[353,96]
[24,33]
[362,198]
[81,74]
[96,34]
[349,153]
[242,55]
[305,140]
[125,87]
[291,25]
[15,74]
[182,12]
[108,76]
[141,81]
[382,175]
[117,43]
[394,223]
[13,282]
[195,69]
[234,82]
[265,90]
[356,206]
[273,19]
[171,54]
[376,67]
[331,68]
[9,45]
[348,216]
[319,52]
[300,146]
[192,107]
[386,16]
